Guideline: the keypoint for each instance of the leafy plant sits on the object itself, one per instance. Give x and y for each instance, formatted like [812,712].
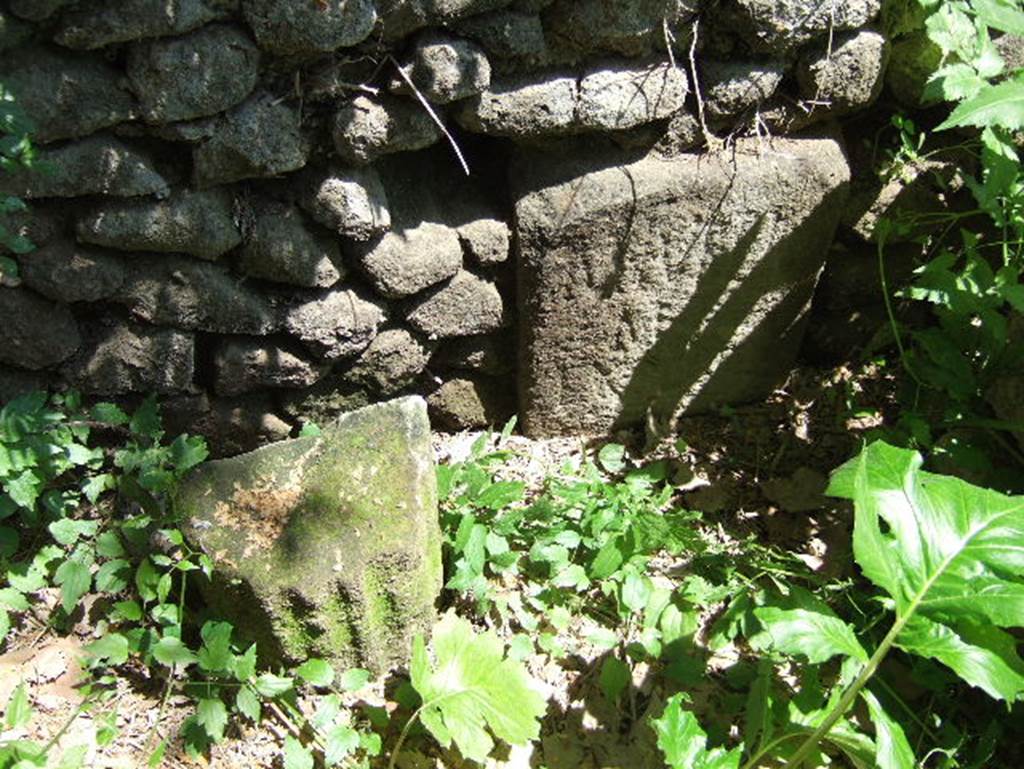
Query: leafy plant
[471,692]
[946,554]
[15,151]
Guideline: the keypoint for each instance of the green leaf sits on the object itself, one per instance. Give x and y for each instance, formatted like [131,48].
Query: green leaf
[212,715]
[817,635]
[296,755]
[19,711]
[248,703]
[341,741]
[170,651]
[108,545]
[9,541]
[24,488]
[112,576]
[74,579]
[611,457]
[615,677]
[501,494]
[245,664]
[108,413]
[999,105]
[472,689]
[13,599]
[73,758]
[1004,15]
[892,749]
[354,679]
[316,672]
[188,452]
[951,556]
[636,589]
[269,685]
[111,648]
[146,420]
[215,655]
[95,485]
[684,743]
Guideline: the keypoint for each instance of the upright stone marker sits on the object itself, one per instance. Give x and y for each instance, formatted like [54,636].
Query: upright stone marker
[325,546]
[650,287]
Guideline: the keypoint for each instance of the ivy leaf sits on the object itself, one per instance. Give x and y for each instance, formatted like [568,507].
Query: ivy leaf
[472,689]
[951,556]
[316,672]
[815,634]
[296,755]
[999,105]
[684,743]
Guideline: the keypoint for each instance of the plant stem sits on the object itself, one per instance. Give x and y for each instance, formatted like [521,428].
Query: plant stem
[401,737]
[850,694]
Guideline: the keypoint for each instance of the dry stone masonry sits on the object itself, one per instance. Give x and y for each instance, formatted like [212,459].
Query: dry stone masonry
[255,209]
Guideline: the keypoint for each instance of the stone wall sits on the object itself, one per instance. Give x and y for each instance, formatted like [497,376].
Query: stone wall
[250,206]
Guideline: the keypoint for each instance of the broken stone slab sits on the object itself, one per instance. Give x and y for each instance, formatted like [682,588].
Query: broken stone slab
[198,223]
[445,68]
[623,95]
[68,272]
[336,324]
[169,290]
[350,201]
[36,333]
[365,128]
[485,240]
[522,105]
[262,137]
[284,248]
[407,261]
[651,287]
[98,165]
[97,23]
[325,546]
[230,425]
[731,87]
[65,95]
[472,403]
[326,400]
[847,74]
[132,358]
[630,28]
[392,362]
[195,75]
[778,26]
[307,29]
[242,364]
[465,305]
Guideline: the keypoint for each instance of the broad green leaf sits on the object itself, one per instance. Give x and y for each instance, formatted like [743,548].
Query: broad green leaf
[636,589]
[171,651]
[248,703]
[316,672]
[73,758]
[13,599]
[757,722]
[501,494]
[215,655]
[1004,15]
[814,634]
[952,30]
[892,751]
[111,648]
[188,452]
[612,457]
[296,755]
[18,712]
[999,105]
[615,677]
[95,485]
[213,716]
[74,579]
[684,743]
[108,413]
[245,664]
[108,545]
[270,685]
[341,741]
[113,576]
[354,679]
[474,688]
[951,556]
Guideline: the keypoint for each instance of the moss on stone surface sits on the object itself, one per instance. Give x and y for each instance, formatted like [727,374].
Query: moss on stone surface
[336,536]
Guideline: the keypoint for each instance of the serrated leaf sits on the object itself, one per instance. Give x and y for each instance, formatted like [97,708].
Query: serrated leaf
[108,413]
[296,755]
[18,712]
[187,452]
[341,741]
[245,664]
[111,648]
[316,672]
[892,751]
[684,743]
[1004,15]
[95,485]
[999,105]
[501,494]
[270,685]
[951,556]
[817,635]
[354,679]
[473,689]
[611,457]
[614,678]
[248,703]
[215,655]
[172,651]
[74,579]
[13,599]
[212,715]
[113,576]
